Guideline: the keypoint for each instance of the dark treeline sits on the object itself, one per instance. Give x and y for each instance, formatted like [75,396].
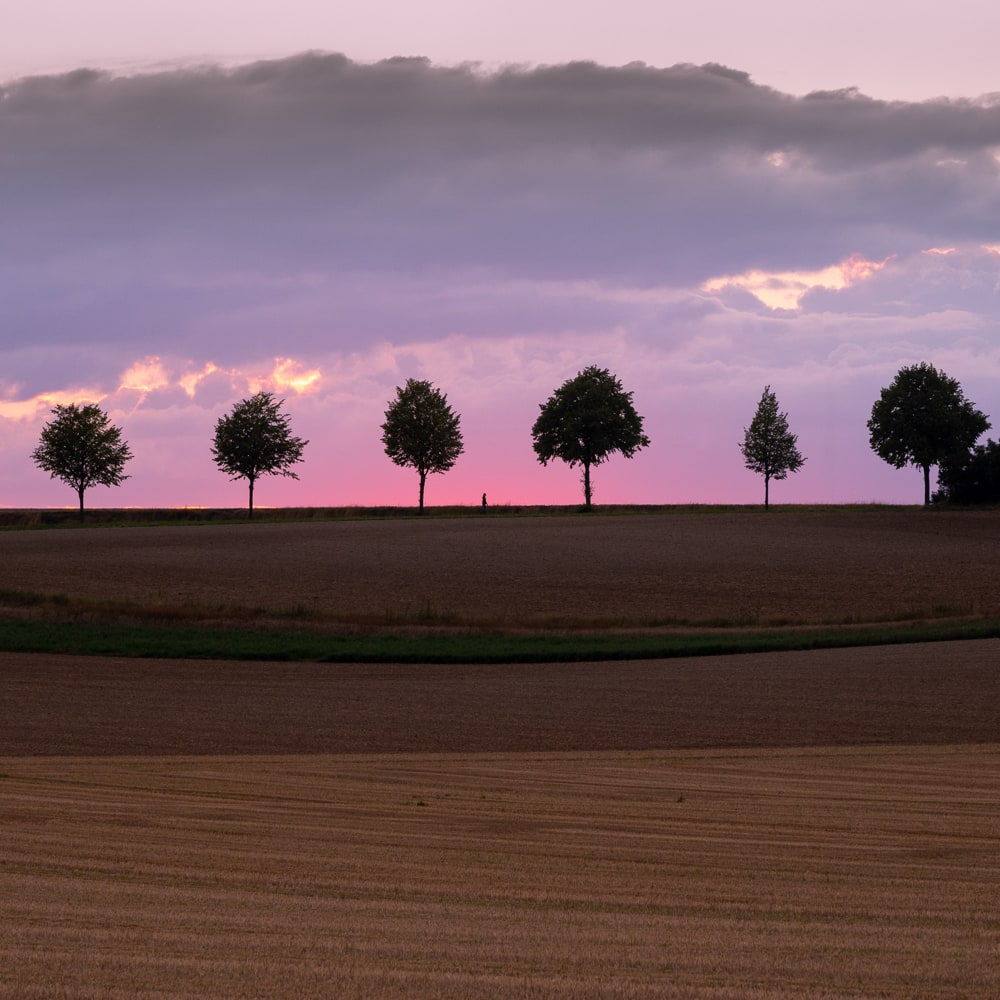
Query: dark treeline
[971,477]
[921,419]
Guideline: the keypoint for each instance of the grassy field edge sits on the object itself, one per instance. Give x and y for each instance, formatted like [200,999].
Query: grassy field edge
[95,639]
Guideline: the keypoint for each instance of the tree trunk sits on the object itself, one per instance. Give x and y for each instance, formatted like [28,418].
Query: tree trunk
[423,479]
[80,495]
[767,490]
[586,485]
[250,512]
[927,485]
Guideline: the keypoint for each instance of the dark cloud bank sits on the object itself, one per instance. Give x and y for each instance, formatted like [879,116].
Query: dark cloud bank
[150,212]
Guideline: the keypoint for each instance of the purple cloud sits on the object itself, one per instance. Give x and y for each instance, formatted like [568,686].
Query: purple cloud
[495,232]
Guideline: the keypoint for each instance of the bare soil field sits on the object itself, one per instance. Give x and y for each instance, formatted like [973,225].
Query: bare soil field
[786,566]
[795,825]
[931,693]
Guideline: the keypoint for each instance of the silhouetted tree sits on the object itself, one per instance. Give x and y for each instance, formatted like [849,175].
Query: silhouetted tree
[971,477]
[83,448]
[922,419]
[768,447]
[422,431]
[254,439]
[585,421]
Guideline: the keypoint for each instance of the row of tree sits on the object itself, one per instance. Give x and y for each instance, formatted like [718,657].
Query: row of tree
[921,419]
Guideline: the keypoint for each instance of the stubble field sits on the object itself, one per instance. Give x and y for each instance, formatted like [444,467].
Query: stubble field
[819,824]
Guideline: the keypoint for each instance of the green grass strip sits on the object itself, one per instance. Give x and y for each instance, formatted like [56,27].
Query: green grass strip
[93,639]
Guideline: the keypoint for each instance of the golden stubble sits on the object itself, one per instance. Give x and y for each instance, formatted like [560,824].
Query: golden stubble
[865,872]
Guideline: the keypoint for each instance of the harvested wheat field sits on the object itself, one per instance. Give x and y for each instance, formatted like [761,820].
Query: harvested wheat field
[796,825]
[864,872]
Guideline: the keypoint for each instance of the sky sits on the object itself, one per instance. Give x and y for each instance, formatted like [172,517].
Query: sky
[322,200]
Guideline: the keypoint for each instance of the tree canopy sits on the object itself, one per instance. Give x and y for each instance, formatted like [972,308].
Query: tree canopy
[585,421]
[971,477]
[254,439]
[922,418]
[768,447]
[421,431]
[83,448]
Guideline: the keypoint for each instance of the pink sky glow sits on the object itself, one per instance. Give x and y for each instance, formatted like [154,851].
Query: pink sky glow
[205,211]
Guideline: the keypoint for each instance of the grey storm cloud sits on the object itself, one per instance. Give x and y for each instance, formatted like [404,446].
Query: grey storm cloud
[161,205]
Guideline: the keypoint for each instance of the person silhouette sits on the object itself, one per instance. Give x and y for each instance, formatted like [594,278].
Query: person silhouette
[484,501]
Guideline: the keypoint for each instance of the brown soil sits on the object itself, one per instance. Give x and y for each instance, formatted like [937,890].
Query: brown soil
[931,693]
[786,566]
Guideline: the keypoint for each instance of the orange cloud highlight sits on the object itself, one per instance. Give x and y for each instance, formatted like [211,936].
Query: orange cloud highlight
[151,374]
[288,374]
[189,382]
[31,409]
[146,375]
[785,289]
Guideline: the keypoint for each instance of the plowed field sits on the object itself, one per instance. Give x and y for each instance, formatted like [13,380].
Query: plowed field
[810,566]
